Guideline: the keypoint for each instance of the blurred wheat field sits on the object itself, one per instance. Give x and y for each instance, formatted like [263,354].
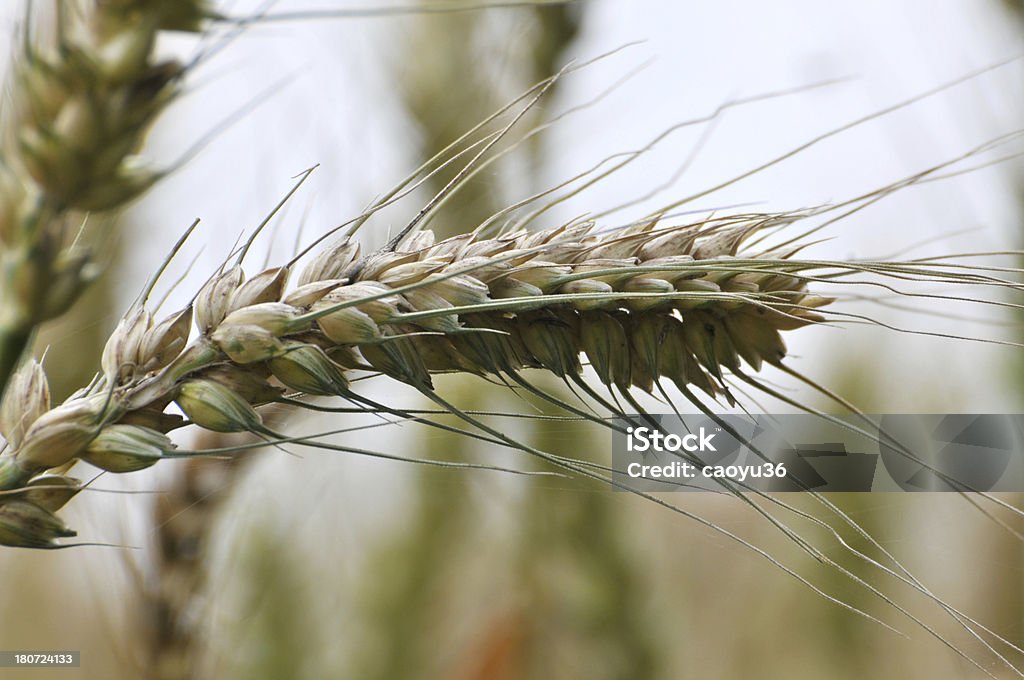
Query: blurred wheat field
[339,566]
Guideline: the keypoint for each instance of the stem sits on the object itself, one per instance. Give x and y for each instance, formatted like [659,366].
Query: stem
[13,342]
[27,260]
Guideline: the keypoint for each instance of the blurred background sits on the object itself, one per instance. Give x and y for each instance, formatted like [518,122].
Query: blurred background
[332,565]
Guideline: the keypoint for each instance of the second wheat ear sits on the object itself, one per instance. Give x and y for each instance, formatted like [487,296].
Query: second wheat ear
[81,107]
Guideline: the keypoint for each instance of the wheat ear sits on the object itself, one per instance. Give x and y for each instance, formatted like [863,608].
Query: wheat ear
[641,304]
[81,108]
